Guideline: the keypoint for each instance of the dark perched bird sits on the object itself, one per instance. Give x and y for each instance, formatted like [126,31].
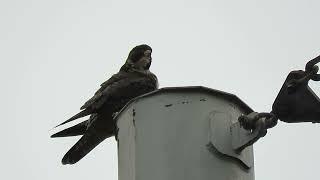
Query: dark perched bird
[133,79]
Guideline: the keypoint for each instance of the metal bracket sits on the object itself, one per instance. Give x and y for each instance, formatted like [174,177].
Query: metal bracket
[250,128]
[296,102]
[221,139]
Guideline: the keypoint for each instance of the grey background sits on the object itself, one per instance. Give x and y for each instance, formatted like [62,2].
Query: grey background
[55,54]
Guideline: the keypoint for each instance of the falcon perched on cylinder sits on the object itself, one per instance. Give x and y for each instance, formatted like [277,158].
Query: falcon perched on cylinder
[133,79]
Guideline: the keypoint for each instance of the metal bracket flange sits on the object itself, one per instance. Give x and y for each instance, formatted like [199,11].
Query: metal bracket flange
[221,139]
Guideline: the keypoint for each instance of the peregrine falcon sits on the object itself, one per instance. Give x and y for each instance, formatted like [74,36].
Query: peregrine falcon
[133,79]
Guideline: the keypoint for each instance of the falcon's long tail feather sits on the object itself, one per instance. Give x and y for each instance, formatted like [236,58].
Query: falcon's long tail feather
[87,142]
[75,130]
[81,114]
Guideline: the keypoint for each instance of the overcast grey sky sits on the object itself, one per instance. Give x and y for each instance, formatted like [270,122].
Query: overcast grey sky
[55,54]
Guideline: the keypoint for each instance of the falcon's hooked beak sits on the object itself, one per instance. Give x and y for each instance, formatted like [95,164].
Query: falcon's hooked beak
[147,55]
[144,62]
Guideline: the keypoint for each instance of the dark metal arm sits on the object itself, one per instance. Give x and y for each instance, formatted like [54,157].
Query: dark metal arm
[295,103]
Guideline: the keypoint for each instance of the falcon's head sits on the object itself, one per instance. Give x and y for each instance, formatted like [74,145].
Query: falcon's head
[139,58]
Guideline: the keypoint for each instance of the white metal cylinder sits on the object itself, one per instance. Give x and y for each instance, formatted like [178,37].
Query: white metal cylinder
[182,134]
